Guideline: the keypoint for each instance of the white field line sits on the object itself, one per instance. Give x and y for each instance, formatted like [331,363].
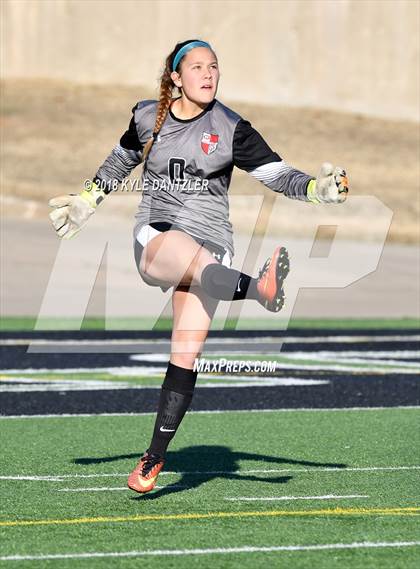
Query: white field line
[255,381]
[344,357]
[115,370]
[344,363]
[110,488]
[388,363]
[227,340]
[350,366]
[396,354]
[224,340]
[125,371]
[405,369]
[395,367]
[218,550]
[240,499]
[134,341]
[288,498]
[214,412]
[82,385]
[368,354]
[259,381]
[35,380]
[62,386]
[62,477]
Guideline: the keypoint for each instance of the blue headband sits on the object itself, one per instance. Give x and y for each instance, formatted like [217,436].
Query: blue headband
[187,48]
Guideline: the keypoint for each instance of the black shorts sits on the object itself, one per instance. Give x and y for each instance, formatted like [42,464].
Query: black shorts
[147,232]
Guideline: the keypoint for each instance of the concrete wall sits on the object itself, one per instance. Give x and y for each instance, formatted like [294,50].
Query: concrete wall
[353,55]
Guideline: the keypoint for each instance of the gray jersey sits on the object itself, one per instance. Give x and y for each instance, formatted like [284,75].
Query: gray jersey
[187,173]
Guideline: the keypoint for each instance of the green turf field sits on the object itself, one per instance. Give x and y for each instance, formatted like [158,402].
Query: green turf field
[91,323]
[365,457]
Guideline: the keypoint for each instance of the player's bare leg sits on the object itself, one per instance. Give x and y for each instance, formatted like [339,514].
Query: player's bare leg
[193,311]
[174,258]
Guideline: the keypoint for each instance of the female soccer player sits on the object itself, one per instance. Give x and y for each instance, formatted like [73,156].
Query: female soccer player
[182,235]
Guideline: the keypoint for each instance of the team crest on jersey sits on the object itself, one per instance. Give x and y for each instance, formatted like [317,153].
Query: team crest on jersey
[209,142]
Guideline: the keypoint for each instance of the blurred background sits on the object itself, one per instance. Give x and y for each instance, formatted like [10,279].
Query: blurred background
[334,80]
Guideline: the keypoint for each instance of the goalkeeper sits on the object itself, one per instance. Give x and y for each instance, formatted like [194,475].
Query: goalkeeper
[182,235]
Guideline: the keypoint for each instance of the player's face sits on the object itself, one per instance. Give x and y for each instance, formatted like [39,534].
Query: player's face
[199,75]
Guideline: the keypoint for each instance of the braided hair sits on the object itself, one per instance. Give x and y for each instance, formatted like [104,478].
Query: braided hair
[165,95]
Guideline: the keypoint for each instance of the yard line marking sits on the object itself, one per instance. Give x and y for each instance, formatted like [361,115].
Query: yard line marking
[287,498]
[409,511]
[43,380]
[344,359]
[104,488]
[61,477]
[401,368]
[35,478]
[62,386]
[113,370]
[258,381]
[51,385]
[128,371]
[221,345]
[211,412]
[395,358]
[224,340]
[218,550]
[398,354]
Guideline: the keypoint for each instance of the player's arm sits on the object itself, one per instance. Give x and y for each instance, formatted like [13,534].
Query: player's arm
[72,211]
[252,154]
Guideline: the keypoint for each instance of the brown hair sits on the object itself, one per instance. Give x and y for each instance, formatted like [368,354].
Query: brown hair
[165,95]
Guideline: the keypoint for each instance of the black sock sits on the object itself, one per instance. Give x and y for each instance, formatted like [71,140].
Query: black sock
[223,283]
[175,398]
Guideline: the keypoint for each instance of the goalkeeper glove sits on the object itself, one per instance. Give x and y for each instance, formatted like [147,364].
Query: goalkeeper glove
[331,185]
[72,211]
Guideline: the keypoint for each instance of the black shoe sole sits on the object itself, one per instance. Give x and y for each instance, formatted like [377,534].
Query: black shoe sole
[282,270]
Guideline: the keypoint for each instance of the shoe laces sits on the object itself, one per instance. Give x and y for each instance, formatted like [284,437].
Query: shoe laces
[264,269]
[150,461]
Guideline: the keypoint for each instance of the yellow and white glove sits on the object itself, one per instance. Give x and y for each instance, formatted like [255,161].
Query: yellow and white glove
[72,211]
[331,185]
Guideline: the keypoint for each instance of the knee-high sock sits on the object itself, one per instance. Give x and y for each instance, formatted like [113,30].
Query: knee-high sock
[223,283]
[175,398]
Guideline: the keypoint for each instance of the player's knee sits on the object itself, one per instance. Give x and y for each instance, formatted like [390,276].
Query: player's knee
[185,360]
[146,277]
[185,352]
[146,271]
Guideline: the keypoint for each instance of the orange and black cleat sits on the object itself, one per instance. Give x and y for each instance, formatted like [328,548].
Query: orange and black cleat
[144,476]
[270,280]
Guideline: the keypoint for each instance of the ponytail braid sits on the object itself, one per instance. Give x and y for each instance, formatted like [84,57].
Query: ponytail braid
[165,100]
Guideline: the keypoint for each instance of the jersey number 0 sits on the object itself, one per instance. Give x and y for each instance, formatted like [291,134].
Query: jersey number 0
[176,168]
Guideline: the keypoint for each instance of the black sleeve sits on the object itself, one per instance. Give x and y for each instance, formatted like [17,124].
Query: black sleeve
[123,158]
[250,150]
[130,139]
